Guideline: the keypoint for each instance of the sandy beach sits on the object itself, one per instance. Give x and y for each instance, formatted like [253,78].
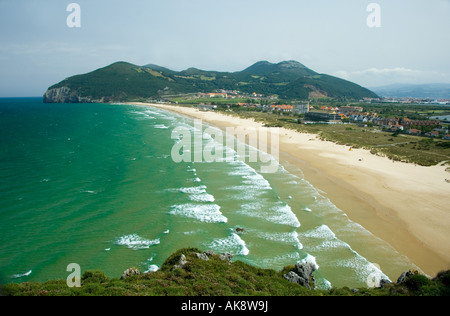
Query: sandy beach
[406,205]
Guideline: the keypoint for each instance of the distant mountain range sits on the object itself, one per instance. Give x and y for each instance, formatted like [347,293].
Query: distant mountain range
[123,81]
[424,91]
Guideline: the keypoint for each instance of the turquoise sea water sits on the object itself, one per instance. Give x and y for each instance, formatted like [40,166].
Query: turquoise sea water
[95,184]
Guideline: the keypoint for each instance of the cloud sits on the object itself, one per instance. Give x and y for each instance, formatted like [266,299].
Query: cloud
[373,77]
[383,72]
[45,48]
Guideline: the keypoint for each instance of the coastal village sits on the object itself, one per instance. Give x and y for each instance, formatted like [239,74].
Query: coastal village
[311,114]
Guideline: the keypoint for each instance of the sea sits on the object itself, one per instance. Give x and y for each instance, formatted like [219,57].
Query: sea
[96,185]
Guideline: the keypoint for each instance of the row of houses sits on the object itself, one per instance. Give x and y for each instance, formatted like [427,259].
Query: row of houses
[233,94]
[408,126]
[436,133]
[284,108]
[214,95]
[324,116]
[407,122]
[428,128]
[403,123]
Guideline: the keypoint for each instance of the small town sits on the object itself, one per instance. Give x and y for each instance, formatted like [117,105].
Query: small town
[312,113]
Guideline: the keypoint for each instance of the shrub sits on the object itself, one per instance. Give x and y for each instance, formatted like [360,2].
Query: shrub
[417,282]
[443,281]
[443,277]
[94,277]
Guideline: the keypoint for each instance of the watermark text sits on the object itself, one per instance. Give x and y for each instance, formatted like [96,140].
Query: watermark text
[374,18]
[74,18]
[74,278]
[248,144]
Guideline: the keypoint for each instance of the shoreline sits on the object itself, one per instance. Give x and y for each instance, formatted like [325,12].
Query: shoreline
[404,204]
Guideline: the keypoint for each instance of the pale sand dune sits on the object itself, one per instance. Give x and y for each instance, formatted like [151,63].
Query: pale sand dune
[406,205]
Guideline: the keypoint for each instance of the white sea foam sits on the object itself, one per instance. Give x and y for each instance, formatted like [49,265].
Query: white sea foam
[151,112]
[160,126]
[246,191]
[366,271]
[257,179]
[283,215]
[288,237]
[197,194]
[322,284]
[163,116]
[229,155]
[252,207]
[281,259]
[163,156]
[144,115]
[328,237]
[136,242]
[310,259]
[240,168]
[208,213]
[232,244]
[192,232]
[152,268]
[253,183]
[322,231]
[280,213]
[202,197]
[21,275]
[335,243]
[192,190]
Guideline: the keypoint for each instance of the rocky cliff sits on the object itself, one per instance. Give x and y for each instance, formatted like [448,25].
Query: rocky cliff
[66,95]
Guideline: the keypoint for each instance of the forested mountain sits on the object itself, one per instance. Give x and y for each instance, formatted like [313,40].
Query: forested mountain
[123,81]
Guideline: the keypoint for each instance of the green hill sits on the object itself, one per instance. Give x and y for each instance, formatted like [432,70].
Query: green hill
[123,81]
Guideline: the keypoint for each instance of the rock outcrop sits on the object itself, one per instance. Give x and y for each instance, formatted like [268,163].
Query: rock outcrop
[130,272]
[57,95]
[226,257]
[302,274]
[181,263]
[67,95]
[202,256]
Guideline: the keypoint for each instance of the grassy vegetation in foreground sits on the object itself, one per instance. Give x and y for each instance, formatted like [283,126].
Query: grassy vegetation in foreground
[216,277]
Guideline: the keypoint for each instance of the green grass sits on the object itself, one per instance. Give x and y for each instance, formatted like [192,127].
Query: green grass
[216,278]
[401,147]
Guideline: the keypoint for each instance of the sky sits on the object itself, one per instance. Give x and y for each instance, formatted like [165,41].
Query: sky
[405,41]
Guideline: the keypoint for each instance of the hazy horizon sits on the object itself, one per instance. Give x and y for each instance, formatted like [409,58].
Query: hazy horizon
[39,49]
